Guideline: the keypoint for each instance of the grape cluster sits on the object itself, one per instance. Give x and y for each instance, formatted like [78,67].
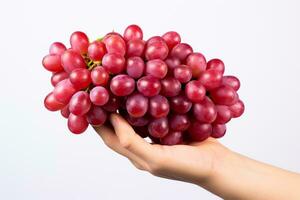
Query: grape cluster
[164,89]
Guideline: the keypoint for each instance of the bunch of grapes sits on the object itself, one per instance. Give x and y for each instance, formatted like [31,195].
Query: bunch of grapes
[164,89]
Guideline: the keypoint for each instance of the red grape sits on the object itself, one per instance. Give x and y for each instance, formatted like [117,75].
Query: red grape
[181,51]
[115,44]
[237,109]
[149,86]
[71,60]
[135,48]
[180,104]
[170,87]
[218,130]
[96,116]
[183,73]
[80,78]
[224,95]
[135,67]
[195,91]
[64,90]
[211,79]
[172,64]
[52,104]
[65,112]
[155,39]
[110,34]
[79,42]
[80,103]
[113,63]
[113,104]
[99,96]
[158,128]
[58,76]
[172,138]
[139,121]
[57,48]
[133,32]
[197,63]
[231,81]
[205,111]
[223,114]
[216,64]
[157,68]
[199,132]
[159,106]
[156,50]
[172,38]
[96,50]
[179,122]
[52,63]
[137,105]
[99,76]
[77,124]
[122,85]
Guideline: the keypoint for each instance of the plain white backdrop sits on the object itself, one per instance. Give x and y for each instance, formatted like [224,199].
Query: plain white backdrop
[259,42]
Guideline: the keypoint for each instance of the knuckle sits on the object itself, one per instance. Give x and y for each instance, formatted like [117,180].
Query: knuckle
[125,143]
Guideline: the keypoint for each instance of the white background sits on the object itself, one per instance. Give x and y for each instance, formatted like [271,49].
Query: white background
[259,42]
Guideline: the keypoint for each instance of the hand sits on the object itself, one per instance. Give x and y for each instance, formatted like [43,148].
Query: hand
[193,163]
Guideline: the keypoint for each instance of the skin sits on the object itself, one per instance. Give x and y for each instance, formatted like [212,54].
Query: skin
[208,164]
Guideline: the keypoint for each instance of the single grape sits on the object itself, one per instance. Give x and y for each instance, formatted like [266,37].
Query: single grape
[99,76]
[155,39]
[179,122]
[52,63]
[79,42]
[115,44]
[135,48]
[231,81]
[80,103]
[216,64]
[77,124]
[170,87]
[159,106]
[223,114]
[197,63]
[110,34]
[80,78]
[137,121]
[218,130]
[149,86]
[156,68]
[156,50]
[181,51]
[180,104]
[195,91]
[113,104]
[210,79]
[237,109]
[199,132]
[158,128]
[172,64]
[135,67]
[224,95]
[137,105]
[96,116]
[99,96]
[57,48]
[133,32]
[51,103]
[96,50]
[183,73]
[58,76]
[172,38]
[64,90]
[65,112]
[205,111]
[122,85]
[172,138]
[113,63]
[71,60]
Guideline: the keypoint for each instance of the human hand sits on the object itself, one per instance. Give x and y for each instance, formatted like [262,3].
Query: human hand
[193,163]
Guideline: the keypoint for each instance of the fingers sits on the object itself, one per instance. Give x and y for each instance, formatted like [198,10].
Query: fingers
[130,140]
[112,141]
